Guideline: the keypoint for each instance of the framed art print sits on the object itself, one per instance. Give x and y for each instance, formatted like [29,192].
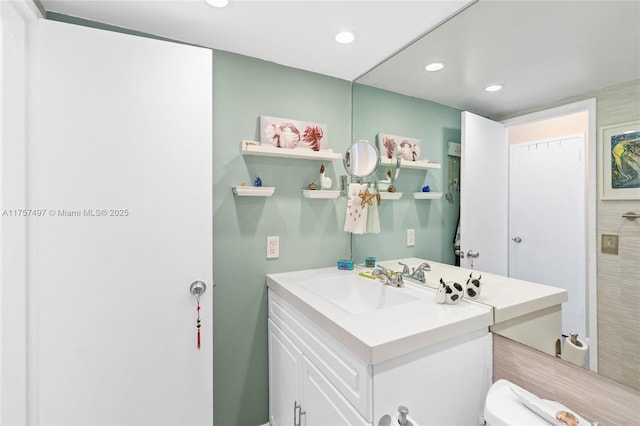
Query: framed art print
[620,165]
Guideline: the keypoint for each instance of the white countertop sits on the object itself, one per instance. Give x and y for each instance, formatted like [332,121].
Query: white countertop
[379,335]
[509,297]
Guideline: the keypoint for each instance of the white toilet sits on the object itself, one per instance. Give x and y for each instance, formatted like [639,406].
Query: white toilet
[503,408]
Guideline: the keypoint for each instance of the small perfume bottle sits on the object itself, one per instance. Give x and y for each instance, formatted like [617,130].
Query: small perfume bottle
[257,181]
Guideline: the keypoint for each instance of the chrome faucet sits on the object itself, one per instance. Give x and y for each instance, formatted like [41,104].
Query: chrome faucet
[389,278]
[418,273]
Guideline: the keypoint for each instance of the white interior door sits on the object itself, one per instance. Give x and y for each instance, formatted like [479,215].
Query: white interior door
[547,220]
[121,165]
[484,195]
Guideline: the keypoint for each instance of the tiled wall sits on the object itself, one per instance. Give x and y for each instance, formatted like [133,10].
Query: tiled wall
[619,275]
[594,397]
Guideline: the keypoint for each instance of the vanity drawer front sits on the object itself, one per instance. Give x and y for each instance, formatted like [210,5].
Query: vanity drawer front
[347,373]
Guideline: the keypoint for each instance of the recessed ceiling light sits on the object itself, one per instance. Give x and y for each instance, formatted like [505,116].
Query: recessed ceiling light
[494,87]
[217,3]
[345,37]
[435,66]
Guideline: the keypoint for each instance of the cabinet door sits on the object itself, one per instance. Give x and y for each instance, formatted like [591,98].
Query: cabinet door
[285,372]
[323,403]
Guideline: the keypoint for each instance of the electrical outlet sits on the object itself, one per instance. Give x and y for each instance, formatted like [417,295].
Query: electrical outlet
[411,237]
[273,247]
[609,244]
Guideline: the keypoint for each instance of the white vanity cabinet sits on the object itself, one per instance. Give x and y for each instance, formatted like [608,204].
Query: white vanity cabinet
[296,385]
[299,393]
[285,378]
[442,384]
[323,404]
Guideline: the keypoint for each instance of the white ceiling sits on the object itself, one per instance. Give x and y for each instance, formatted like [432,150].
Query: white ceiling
[541,50]
[296,33]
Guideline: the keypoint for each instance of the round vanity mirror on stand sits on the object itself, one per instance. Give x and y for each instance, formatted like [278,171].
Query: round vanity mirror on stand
[361,159]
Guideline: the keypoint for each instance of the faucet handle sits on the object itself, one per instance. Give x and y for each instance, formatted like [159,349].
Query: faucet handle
[379,270]
[402,417]
[424,266]
[405,269]
[382,270]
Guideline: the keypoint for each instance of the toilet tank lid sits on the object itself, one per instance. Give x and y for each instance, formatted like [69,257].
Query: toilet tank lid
[502,407]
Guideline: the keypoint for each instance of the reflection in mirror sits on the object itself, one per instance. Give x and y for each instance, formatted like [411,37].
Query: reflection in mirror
[361,159]
[498,38]
[387,184]
[434,223]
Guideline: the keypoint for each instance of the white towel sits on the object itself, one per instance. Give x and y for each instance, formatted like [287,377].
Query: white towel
[356,218]
[373,221]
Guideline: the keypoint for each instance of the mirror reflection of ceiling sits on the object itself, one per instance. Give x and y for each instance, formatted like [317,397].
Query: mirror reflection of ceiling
[541,51]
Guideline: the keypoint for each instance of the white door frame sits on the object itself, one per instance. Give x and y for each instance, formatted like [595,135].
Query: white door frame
[17,35]
[588,105]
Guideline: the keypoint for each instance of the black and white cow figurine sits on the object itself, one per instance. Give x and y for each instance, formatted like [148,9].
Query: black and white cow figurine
[449,292]
[473,286]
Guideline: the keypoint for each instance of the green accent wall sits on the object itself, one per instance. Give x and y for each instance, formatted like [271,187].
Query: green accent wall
[310,230]
[380,111]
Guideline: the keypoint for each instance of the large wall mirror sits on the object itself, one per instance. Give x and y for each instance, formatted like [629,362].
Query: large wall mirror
[545,54]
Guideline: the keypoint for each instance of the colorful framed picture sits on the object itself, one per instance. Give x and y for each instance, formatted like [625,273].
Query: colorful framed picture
[408,148]
[620,164]
[289,134]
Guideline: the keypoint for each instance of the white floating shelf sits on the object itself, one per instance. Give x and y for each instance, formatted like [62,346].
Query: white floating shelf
[427,195]
[255,148]
[404,164]
[390,195]
[320,193]
[253,191]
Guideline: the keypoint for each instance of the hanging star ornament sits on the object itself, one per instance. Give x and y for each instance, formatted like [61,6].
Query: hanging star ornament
[366,197]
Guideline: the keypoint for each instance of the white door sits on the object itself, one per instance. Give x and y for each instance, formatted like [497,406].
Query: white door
[484,195]
[547,220]
[121,165]
[285,377]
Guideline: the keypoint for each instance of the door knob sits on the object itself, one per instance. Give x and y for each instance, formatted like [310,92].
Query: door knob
[197,288]
[473,254]
[516,239]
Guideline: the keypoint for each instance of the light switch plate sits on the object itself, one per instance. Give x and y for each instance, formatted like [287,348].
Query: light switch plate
[411,237]
[273,247]
[609,244]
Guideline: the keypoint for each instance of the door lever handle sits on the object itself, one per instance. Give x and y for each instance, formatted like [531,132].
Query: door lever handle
[516,239]
[473,254]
